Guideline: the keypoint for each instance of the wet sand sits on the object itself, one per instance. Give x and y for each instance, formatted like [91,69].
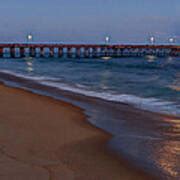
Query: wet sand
[42,138]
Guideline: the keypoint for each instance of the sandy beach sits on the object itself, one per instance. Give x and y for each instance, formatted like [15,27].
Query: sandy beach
[41,138]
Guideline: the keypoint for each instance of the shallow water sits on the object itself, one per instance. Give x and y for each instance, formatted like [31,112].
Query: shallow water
[151,143]
[149,84]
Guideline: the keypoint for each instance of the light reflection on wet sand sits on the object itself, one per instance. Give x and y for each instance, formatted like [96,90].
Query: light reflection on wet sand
[167,158]
[167,152]
[157,152]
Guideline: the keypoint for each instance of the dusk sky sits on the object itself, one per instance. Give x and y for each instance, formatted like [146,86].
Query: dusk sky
[90,21]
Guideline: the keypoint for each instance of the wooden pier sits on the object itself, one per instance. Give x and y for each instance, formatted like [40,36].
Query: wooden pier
[19,50]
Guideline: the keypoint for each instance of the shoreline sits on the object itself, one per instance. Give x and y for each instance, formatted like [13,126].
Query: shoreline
[32,85]
[87,139]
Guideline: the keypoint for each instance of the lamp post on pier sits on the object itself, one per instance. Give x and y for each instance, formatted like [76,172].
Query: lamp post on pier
[29,37]
[171,40]
[152,40]
[107,40]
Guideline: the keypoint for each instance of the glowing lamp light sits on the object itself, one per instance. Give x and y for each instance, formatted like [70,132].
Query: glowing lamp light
[107,39]
[152,40]
[171,40]
[29,37]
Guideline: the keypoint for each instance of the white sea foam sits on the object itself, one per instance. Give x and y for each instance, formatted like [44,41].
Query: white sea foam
[152,104]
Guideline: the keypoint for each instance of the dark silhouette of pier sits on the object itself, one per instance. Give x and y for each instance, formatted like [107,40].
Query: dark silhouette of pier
[19,50]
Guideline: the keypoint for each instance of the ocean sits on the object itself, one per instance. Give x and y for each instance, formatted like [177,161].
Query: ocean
[106,88]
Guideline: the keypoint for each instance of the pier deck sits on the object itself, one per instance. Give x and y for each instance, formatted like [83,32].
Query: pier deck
[14,50]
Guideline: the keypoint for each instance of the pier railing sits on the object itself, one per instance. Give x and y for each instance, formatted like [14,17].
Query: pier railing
[19,50]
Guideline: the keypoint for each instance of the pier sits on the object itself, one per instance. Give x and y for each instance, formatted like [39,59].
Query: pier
[20,50]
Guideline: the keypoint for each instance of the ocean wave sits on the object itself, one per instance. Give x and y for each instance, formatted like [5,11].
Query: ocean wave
[151,104]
